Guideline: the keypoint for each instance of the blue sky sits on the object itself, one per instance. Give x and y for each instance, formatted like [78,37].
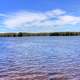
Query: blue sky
[39,15]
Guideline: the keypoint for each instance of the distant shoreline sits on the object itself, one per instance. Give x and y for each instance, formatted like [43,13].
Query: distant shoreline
[22,34]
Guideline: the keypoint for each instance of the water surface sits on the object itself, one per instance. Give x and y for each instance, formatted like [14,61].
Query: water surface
[40,54]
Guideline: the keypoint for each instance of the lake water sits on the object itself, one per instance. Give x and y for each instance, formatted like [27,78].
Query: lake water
[41,54]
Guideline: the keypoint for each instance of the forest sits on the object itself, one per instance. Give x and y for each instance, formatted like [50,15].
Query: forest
[23,34]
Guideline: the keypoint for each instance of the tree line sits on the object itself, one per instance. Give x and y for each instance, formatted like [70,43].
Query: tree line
[21,34]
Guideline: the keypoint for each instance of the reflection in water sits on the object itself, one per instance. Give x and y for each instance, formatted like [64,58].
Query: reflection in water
[40,54]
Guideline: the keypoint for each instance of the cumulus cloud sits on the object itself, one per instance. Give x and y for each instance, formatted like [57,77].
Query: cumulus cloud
[66,19]
[50,18]
[23,18]
[56,12]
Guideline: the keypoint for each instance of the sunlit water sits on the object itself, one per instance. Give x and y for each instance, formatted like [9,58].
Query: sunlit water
[36,54]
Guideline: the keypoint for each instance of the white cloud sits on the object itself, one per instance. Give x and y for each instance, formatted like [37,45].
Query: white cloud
[22,18]
[51,18]
[66,19]
[56,12]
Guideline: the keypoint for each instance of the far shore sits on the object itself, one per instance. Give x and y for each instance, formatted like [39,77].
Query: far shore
[23,34]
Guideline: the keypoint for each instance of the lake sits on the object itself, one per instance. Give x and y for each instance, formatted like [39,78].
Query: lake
[40,54]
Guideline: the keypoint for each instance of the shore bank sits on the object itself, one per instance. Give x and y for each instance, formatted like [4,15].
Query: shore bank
[23,34]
